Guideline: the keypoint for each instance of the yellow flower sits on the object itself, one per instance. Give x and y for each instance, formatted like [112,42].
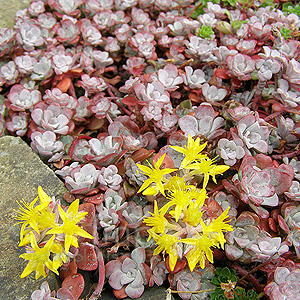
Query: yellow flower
[181,198]
[199,252]
[69,226]
[167,243]
[155,174]
[28,214]
[157,221]
[218,226]
[206,168]
[73,213]
[59,257]
[192,151]
[193,214]
[44,198]
[38,259]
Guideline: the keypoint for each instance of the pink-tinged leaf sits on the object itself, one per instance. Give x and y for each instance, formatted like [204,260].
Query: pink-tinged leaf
[134,292]
[230,188]
[112,266]
[101,268]
[263,213]
[263,161]
[115,279]
[189,124]
[138,255]
[272,224]
[128,264]
[247,218]
[204,109]
[65,294]
[86,258]
[282,224]
[214,209]
[90,209]
[75,284]
[232,252]
[167,162]
[146,273]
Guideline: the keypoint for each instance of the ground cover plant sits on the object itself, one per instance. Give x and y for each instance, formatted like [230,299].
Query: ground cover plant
[175,127]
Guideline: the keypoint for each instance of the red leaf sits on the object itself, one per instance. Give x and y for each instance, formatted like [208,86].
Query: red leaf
[96,199]
[120,294]
[180,265]
[68,270]
[90,209]
[222,73]
[75,284]
[86,258]
[130,101]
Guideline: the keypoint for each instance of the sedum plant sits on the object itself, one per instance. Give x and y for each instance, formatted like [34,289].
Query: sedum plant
[180,227]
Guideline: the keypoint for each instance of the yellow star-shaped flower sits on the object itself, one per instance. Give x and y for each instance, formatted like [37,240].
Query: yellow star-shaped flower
[192,151]
[69,227]
[38,259]
[155,174]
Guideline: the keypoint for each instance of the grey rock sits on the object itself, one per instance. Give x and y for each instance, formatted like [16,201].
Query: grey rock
[9,9]
[21,172]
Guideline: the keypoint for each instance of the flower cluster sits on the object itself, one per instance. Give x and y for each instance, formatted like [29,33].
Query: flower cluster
[48,232]
[187,232]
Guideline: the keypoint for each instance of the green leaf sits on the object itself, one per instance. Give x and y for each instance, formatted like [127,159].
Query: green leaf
[199,11]
[215,281]
[252,295]
[218,271]
[237,24]
[186,104]
[226,272]
[230,2]
[285,32]
[205,32]
[287,6]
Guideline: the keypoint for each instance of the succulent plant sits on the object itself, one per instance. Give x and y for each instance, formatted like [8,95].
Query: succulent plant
[230,151]
[203,122]
[253,134]
[109,178]
[245,233]
[241,65]
[130,274]
[44,293]
[46,144]
[285,283]
[18,123]
[159,271]
[226,201]
[198,280]
[260,182]
[226,281]
[267,247]
[293,192]
[80,179]
[194,79]
[52,118]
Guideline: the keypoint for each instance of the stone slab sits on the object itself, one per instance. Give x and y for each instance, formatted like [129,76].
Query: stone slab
[9,9]
[21,172]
